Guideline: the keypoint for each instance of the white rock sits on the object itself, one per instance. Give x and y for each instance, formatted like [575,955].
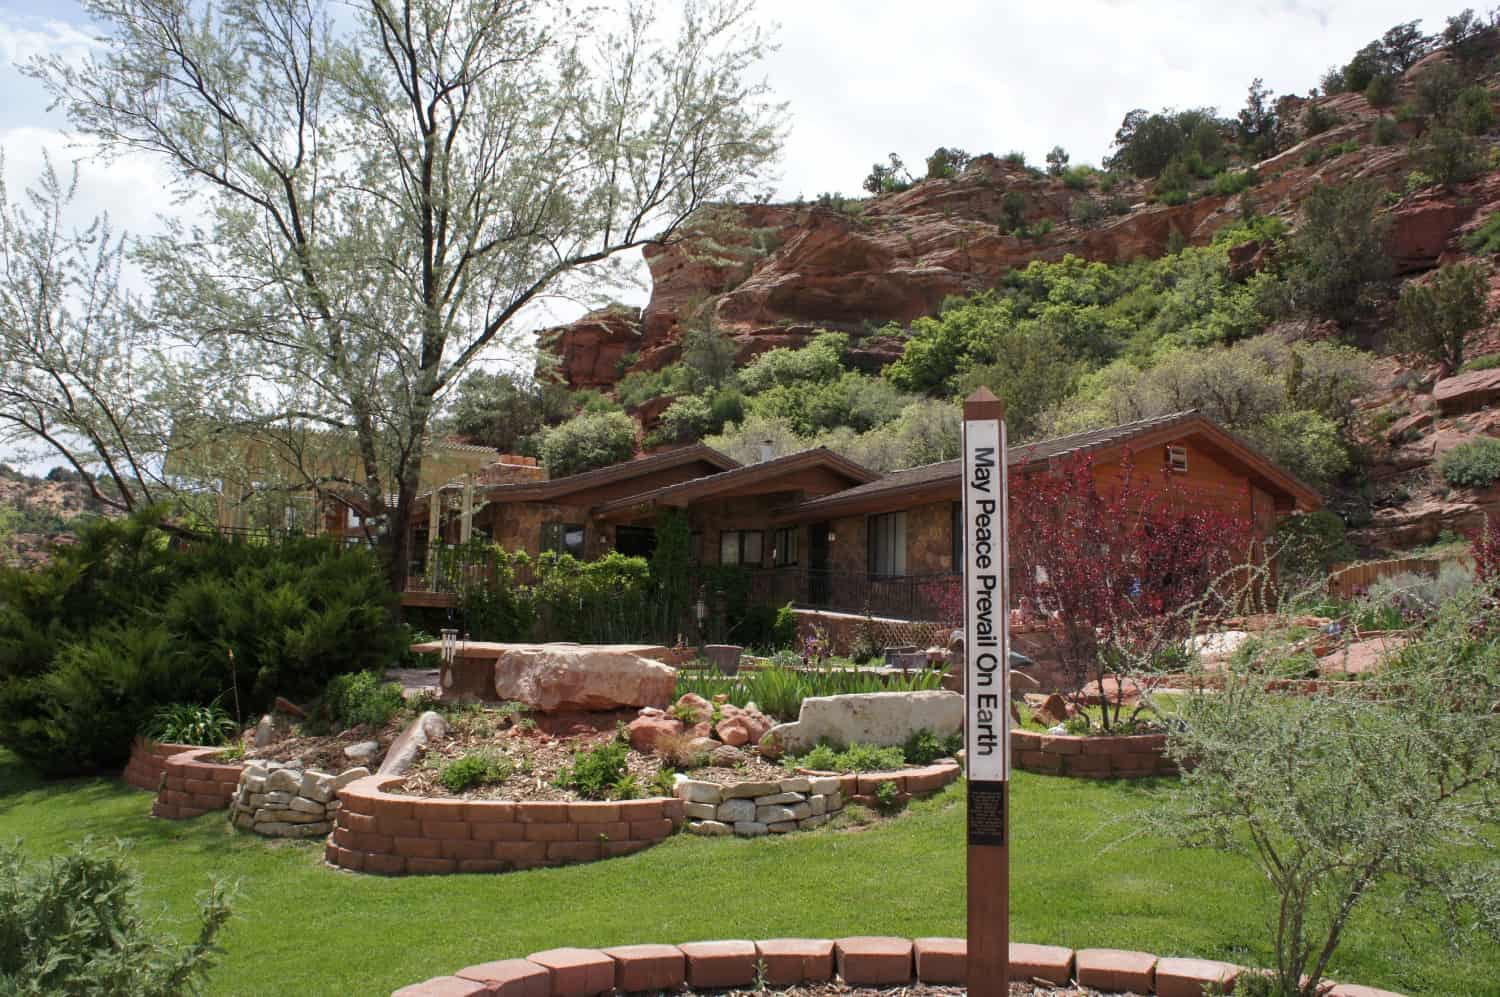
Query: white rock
[700,811]
[278,799]
[316,786]
[254,770]
[816,820]
[712,828]
[782,827]
[284,780]
[818,805]
[775,798]
[823,785]
[802,811]
[881,718]
[303,805]
[773,815]
[733,811]
[364,751]
[308,830]
[265,732]
[750,790]
[749,828]
[695,791]
[835,801]
[272,829]
[797,784]
[347,776]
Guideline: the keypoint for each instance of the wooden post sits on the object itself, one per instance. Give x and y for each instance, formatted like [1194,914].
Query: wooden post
[987,692]
[466,524]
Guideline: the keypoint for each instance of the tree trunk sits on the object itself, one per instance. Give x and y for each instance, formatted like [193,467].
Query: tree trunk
[398,547]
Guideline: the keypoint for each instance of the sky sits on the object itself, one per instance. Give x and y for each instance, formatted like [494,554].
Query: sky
[863,79]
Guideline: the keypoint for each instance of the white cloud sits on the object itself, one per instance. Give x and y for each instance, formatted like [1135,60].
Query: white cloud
[23,38]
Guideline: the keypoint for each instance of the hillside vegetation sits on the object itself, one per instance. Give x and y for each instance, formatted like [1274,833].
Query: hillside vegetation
[1304,270]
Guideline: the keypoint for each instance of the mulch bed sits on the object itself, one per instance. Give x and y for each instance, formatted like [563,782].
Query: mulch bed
[326,752]
[537,756]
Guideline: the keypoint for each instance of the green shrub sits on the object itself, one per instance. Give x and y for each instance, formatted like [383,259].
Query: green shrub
[855,758]
[126,621]
[1381,90]
[1437,89]
[1311,155]
[784,629]
[362,698]
[779,690]
[1385,131]
[1232,182]
[73,925]
[887,797]
[1085,210]
[1311,543]
[1475,464]
[1484,240]
[597,773]
[1078,177]
[1450,156]
[189,723]
[1416,180]
[1437,318]
[588,441]
[1487,362]
[479,768]
[1473,110]
[925,747]
[1317,119]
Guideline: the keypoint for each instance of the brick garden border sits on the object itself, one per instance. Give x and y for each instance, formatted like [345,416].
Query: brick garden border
[378,831]
[148,762]
[1103,756]
[864,961]
[192,786]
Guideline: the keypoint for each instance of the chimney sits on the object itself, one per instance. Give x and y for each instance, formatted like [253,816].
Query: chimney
[767,451]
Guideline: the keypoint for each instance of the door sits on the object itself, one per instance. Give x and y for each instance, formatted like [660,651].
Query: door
[819,583]
[635,541]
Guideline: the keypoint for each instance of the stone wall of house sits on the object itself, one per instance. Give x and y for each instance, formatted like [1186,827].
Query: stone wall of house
[929,539]
[800,802]
[276,800]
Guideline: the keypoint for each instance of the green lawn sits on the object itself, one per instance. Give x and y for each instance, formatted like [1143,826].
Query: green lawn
[1079,878]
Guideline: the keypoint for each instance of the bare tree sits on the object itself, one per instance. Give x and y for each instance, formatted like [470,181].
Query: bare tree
[384,198]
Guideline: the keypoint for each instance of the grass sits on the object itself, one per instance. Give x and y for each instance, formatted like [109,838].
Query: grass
[1078,878]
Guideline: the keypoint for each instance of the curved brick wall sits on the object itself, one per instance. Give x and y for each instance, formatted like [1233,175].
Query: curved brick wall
[378,831]
[193,786]
[862,962]
[148,762]
[1099,757]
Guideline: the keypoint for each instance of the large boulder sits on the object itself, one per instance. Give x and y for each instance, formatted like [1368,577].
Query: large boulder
[1463,392]
[424,730]
[555,678]
[881,718]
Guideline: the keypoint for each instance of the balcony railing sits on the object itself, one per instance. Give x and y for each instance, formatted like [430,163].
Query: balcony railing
[927,597]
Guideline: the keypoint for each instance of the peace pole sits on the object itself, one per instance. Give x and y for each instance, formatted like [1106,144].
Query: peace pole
[987,692]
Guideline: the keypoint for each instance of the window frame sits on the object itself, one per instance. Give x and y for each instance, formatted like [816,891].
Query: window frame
[886,531]
[787,538]
[739,546]
[554,538]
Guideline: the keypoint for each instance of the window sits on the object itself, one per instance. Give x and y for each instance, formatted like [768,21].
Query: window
[695,548]
[741,546]
[1177,459]
[563,538]
[887,544]
[785,552]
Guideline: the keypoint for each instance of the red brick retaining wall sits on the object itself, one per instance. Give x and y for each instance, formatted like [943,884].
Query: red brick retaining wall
[148,762]
[1098,757]
[194,785]
[381,832]
[861,962]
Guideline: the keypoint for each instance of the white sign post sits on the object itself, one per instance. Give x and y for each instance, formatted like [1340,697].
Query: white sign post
[987,692]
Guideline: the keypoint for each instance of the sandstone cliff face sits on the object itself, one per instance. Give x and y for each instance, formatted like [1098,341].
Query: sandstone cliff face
[773,274]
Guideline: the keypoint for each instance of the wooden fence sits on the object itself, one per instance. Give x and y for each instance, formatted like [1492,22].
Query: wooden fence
[1345,583]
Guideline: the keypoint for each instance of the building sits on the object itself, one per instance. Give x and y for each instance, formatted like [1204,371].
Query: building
[819,530]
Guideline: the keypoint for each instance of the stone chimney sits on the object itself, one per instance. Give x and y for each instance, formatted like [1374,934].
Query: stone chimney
[512,469]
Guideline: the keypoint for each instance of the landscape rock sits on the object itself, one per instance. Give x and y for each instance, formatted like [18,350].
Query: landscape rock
[644,731]
[882,718]
[695,791]
[1054,710]
[733,811]
[424,730]
[1465,392]
[711,828]
[702,708]
[734,731]
[554,678]
[364,751]
[265,732]
[727,757]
